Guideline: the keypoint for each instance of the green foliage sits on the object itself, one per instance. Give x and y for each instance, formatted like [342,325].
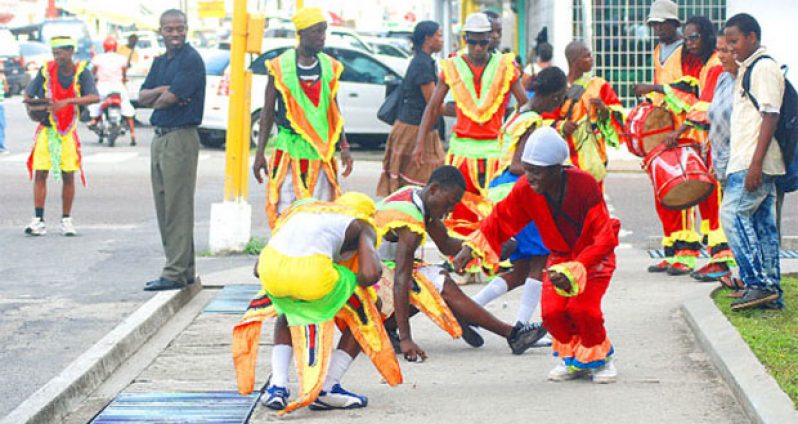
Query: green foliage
[255,245]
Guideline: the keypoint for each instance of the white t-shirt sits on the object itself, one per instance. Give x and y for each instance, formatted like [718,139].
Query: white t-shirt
[110,67]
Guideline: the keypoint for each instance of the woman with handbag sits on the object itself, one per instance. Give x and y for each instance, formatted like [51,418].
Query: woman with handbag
[399,169]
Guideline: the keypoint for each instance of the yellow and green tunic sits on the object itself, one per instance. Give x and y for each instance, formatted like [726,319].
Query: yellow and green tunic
[404,209]
[303,155]
[304,277]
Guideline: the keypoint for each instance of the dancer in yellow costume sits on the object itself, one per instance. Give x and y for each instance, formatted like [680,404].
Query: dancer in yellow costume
[301,99]
[315,272]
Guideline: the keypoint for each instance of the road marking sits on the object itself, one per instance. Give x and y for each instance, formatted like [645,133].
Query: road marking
[110,157]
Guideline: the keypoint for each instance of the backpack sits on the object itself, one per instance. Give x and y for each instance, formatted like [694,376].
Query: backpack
[786,130]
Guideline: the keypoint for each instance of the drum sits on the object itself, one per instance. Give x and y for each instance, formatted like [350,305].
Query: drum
[679,176]
[646,126]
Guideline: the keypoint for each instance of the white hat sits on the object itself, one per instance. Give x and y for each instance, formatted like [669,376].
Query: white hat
[663,10]
[545,147]
[477,22]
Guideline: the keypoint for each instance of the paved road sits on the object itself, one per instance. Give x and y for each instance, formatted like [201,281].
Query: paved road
[60,295]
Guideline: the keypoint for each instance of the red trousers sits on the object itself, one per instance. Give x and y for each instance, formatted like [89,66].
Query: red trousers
[577,323]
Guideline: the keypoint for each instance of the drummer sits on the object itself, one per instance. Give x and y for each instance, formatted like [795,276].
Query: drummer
[592,113]
[681,242]
[700,41]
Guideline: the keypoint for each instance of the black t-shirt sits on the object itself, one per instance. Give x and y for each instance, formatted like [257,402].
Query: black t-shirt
[35,88]
[307,75]
[420,71]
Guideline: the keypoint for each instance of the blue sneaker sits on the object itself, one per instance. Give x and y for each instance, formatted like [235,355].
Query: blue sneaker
[275,398]
[338,398]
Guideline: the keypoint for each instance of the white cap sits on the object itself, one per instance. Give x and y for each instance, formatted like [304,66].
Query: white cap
[545,147]
[663,10]
[477,22]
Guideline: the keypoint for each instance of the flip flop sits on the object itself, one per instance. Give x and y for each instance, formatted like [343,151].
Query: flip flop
[732,283]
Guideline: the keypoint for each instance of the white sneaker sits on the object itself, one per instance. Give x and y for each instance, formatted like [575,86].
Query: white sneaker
[606,374]
[67,227]
[36,227]
[563,372]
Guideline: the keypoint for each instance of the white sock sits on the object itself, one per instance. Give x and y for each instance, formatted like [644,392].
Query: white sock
[281,361]
[338,365]
[530,297]
[494,289]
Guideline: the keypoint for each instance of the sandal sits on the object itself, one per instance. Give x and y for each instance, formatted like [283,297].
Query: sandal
[732,283]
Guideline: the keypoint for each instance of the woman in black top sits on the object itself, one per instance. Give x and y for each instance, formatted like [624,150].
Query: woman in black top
[398,167]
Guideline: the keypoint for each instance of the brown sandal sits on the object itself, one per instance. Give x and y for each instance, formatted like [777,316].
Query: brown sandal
[732,283]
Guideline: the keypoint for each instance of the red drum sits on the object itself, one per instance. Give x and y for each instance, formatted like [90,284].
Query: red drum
[646,126]
[679,176]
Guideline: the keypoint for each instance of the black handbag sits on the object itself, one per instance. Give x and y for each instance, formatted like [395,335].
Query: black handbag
[389,109]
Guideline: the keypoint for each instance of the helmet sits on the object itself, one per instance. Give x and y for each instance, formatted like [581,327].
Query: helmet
[109,45]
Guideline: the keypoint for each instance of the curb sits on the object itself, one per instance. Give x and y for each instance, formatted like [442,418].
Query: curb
[53,401]
[758,393]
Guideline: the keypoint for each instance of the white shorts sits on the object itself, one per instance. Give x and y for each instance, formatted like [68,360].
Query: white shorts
[106,88]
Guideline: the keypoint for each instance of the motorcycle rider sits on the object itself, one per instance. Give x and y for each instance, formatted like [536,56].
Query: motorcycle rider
[110,72]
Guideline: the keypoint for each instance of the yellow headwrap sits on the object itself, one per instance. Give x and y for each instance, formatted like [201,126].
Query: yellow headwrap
[307,17]
[357,201]
[62,42]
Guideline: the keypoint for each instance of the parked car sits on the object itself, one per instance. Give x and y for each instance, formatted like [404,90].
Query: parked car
[35,55]
[10,55]
[388,47]
[361,92]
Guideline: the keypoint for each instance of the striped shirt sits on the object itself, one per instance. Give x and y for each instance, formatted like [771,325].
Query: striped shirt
[719,113]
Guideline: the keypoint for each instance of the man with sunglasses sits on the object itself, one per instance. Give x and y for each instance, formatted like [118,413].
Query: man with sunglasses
[481,83]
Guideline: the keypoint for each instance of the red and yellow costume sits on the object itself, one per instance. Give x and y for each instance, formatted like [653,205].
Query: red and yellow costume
[57,147]
[396,211]
[679,77]
[588,144]
[689,98]
[582,238]
[306,149]
[480,96]
[315,295]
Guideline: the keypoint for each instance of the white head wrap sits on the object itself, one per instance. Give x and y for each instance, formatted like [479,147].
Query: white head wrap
[545,147]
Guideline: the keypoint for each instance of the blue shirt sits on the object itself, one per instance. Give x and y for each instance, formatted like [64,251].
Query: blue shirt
[719,115]
[184,73]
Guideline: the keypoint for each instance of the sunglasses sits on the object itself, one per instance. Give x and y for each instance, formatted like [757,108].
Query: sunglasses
[481,43]
[693,37]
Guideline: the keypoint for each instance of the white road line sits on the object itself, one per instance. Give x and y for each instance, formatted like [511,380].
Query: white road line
[109,157]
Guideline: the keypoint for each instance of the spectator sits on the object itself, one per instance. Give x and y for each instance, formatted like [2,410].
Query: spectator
[3,89]
[720,110]
[175,89]
[399,169]
[749,205]
[61,86]
[543,53]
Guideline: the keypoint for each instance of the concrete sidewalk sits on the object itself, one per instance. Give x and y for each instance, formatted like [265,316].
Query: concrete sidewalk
[664,376]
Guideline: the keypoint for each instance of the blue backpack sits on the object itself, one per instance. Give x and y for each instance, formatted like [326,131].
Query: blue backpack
[787,129]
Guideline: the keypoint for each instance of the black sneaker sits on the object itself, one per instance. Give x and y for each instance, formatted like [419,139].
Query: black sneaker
[470,335]
[524,336]
[754,297]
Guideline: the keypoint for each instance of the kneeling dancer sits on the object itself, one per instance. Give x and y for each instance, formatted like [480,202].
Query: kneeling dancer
[316,272]
[568,208]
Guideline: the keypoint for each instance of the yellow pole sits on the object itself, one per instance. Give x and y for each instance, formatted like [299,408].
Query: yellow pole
[236,150]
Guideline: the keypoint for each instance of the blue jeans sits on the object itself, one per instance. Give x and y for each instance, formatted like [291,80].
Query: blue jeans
[2,125]
[749,219]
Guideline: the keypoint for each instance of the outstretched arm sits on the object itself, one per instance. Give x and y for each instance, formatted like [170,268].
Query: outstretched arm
[260,166]
[428,120]
[405,251]
[369,265]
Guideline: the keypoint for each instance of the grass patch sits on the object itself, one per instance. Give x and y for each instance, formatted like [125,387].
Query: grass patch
[205,253]
[255,245]
[772,335]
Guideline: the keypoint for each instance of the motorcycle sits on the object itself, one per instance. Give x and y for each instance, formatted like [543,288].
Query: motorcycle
[110,123]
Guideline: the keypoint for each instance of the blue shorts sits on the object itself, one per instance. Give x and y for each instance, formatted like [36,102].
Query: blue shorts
[529,241]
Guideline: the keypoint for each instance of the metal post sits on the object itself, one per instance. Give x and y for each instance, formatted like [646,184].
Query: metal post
[521,28]
[234,188]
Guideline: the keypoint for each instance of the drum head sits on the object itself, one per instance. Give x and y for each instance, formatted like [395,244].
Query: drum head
[658,119]
[686,194]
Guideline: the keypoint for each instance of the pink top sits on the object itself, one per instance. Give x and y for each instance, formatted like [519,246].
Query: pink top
[109,67]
